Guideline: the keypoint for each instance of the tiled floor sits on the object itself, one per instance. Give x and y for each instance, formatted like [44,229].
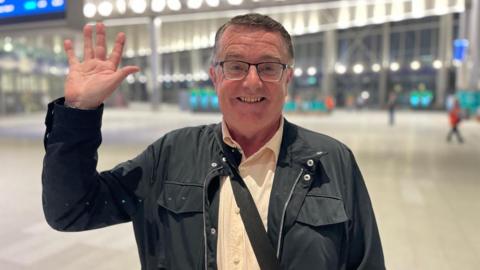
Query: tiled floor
[426,192]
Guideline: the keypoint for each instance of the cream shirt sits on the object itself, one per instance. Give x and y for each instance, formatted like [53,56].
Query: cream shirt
[234,250]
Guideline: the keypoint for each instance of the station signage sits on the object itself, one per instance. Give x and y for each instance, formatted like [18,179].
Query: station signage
[18,11]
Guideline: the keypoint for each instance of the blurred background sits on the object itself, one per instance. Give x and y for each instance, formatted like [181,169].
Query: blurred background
[383,76]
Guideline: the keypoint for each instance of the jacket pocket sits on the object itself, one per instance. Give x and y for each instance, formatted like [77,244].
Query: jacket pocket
[320,210]
[179,197]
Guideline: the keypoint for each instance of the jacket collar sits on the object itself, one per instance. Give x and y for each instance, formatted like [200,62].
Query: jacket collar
[295,151]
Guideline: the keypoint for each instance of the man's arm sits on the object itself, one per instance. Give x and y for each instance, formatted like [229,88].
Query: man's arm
[365,248]
[76,196]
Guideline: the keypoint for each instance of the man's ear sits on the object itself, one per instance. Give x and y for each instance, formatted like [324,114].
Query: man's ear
[289,75]
[213,75]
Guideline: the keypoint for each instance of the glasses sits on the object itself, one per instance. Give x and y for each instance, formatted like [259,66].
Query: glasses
[238,70]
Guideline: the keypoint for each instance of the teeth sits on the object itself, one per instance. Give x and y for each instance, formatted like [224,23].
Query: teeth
[250,99]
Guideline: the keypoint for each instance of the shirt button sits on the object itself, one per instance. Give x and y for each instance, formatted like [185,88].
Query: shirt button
[236,261]
[213,231]
[237,211]
[214,164]
[306,177]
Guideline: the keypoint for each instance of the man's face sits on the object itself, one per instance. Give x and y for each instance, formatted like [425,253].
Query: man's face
[251,104]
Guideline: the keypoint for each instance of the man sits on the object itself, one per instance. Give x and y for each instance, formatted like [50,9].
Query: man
[178,193]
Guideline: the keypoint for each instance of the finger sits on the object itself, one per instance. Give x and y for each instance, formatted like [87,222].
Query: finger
[100,48]
[87,43]
[117,50]
[68,46]
[122,73]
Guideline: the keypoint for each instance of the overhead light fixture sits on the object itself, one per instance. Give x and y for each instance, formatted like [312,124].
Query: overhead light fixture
[138,6]
[8,47]
[121,6]
[158,5]
[235,2]
[340,69]
[365,95]
[376,67]
[213,3]
[437,64]
[194,4]
[358,68]
[105,8]
[174,5]
[415,65]
[394,66]
[89,10]
[311,71]
[298,72]
[130,79]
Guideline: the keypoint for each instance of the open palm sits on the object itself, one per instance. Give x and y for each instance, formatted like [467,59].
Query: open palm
[90,82]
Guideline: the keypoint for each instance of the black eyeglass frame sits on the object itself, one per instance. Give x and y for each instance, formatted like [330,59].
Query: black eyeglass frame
[284,67]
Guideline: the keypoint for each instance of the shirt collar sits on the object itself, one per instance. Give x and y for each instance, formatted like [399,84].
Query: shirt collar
[273,144]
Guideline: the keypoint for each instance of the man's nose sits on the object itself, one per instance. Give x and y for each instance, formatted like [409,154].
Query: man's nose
[252,80]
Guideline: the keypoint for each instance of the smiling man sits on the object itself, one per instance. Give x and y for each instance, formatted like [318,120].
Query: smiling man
[253,192]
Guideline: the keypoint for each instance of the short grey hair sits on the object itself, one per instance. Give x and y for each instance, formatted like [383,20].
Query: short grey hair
[257,21]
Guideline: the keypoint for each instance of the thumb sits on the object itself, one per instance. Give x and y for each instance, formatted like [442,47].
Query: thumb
[122,73]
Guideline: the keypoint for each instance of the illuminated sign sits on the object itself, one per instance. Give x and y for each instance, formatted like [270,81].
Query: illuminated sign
[13,11]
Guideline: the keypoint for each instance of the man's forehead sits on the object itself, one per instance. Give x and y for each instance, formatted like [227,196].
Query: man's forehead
[239,35]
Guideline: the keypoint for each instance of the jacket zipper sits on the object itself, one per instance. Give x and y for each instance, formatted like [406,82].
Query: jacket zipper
[203,214]
[279,243]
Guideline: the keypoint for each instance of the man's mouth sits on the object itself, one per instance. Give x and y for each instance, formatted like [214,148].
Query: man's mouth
[250,99]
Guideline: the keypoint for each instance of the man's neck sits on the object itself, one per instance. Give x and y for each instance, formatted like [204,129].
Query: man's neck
[252,140]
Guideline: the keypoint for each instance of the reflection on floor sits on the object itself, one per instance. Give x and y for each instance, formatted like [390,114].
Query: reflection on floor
[424,190]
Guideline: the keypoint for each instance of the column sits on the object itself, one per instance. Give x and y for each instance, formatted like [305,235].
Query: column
[445,55]
[154,26]
[329,60]
[385,65]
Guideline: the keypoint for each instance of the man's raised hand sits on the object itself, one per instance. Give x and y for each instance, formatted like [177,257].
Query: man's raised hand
[90,82]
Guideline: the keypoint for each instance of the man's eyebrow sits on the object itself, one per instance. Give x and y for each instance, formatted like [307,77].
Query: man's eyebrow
[265,58]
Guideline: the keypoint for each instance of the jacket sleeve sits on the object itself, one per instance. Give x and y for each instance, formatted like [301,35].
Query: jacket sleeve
[364,247]
[75,196]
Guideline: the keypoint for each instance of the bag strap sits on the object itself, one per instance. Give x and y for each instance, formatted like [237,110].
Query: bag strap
[261,244]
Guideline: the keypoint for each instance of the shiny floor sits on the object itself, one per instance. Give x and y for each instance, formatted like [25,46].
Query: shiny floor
[425,191]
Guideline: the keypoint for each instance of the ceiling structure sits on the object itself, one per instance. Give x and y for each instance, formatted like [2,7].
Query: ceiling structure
[191,24]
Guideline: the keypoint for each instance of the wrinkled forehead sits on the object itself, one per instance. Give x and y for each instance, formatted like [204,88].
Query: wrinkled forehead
[251,36]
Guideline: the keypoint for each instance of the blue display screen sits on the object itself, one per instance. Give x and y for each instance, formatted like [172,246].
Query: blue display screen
[19,10]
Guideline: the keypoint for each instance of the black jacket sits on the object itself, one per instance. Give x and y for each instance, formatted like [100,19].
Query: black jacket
[320,215]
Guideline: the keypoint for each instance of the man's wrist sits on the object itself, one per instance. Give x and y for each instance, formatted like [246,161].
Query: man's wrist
[75,106]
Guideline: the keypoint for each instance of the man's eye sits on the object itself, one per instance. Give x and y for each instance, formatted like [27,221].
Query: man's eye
[269,68]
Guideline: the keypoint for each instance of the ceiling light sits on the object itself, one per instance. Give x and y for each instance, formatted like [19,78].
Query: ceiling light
[298,72]
[121,6]
[194,4]
[105,8]
[358,68]
[394,66]
[138,6]
[235,2]
[174,5]
[340,69]
[415,65]
[437,64]
[158,5]
[311,71]
[213,3]
[89,10]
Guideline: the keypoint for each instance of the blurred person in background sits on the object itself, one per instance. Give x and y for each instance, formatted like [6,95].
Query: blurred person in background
[186,193]
[455,117]
[391,104]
